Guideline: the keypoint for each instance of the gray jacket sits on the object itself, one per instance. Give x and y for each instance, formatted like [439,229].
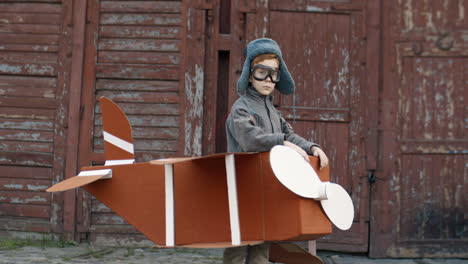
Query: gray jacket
[254,125]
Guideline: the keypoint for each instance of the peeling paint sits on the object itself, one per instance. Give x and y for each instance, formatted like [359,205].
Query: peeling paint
[27,200]
[408,16]
[189,20]
[264,32]
[54,214]
[194,112]
[461,10]
[311,8]
[36,187]
[5,68]
[343,78]
[14,186]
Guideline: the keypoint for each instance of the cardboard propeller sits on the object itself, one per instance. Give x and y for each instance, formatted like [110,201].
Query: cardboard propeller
[297,175]
[220,200]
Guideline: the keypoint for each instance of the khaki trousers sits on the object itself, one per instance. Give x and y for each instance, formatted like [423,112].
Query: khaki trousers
[256,254]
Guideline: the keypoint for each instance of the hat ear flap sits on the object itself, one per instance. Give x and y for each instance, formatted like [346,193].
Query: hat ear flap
[286,84]
[243,81]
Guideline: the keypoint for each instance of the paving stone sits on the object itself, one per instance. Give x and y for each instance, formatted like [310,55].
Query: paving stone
[86,254]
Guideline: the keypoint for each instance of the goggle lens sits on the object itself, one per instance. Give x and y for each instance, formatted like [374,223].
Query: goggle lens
[262,72]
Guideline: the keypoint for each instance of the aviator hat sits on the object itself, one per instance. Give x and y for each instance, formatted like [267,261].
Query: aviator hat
[265,46]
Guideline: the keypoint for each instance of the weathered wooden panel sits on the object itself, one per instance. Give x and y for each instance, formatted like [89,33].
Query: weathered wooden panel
[34,1]
[28,18]
[28,92]
[134,58]
[135,71]
[12,134]
[149,121]
[315,114]
[26,158]
[422,186]
[141,97]
[138,57]
[137,85]
[433,100]
[140,7]
[35,57]
[29,225]
[25,146]
[28,81]
[139,45]
[415,17]
[30,113]
[25,210]
[30,173]
[107,219]
[45,69]
[148,109]
[433,198]
[29,47]
[8,123]
[21,197]
[140,32]
[30,102]
[32,37]
[112,230]
[141,19]
[29,38]
[25,7]
[15,184]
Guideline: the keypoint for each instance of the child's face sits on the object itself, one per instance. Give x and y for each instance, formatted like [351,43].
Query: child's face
[265,87]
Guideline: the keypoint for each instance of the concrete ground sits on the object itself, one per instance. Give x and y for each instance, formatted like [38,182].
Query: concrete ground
[85,253]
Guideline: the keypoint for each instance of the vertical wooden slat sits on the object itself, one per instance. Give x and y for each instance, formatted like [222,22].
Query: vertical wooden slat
[211,60]
[373,80]
[222,100]
[87,103]
[78,44]
[193,82]
[381,218]
[62,92]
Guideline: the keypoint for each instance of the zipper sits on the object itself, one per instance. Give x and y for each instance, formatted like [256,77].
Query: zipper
[268,113]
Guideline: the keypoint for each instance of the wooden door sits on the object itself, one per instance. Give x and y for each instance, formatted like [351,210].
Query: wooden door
[419,203]
[35,40]
[322,44]
[132,55]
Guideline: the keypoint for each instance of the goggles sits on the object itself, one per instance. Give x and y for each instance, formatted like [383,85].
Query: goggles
[261,72]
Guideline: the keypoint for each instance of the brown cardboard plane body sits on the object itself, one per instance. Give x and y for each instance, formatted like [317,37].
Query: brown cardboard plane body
[267,210]
[201,216]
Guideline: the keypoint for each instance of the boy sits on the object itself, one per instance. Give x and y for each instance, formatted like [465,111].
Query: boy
[254,125]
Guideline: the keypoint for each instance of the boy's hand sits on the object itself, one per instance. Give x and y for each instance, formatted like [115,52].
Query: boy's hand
[298,149]
[318,152]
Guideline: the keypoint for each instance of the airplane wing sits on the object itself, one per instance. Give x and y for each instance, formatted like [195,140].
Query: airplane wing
[183,159]
[85,177]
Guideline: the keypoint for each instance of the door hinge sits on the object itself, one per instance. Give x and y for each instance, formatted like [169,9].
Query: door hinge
[81,112]
[371,176]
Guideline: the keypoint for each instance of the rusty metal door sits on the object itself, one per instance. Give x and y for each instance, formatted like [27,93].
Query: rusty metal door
[323,46]
[419,200]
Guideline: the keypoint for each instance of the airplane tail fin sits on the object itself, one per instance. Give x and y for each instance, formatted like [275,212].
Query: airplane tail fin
[117,133]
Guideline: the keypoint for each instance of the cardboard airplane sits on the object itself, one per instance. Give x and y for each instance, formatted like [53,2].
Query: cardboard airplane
[219,200]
